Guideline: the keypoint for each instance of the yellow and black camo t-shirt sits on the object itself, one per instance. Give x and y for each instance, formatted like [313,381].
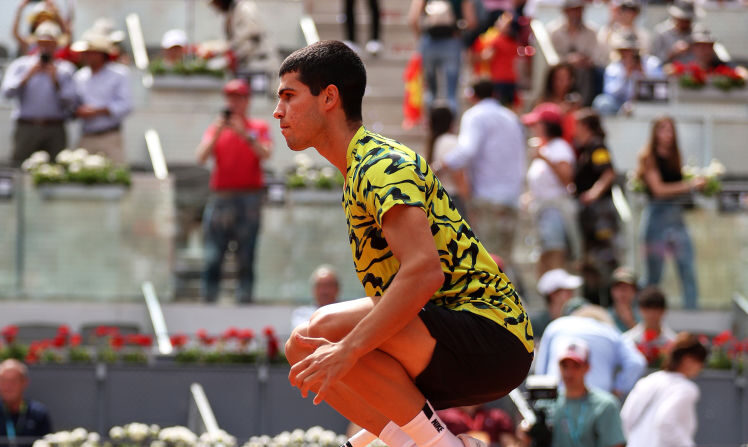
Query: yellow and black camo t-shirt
[382,173]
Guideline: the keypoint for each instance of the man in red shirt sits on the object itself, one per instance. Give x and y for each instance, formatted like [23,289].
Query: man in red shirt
[237,144]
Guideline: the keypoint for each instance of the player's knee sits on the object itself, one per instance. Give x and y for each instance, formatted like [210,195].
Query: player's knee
[324,324]
[294,351]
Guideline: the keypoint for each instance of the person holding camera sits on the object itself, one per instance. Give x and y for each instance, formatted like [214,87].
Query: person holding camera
[45,92]
[581,416]
[238,145]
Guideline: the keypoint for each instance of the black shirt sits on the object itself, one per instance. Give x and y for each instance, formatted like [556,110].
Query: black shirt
[32,421]
[594,159]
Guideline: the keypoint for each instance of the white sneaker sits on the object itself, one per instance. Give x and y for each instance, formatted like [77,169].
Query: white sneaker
[352,46]
[469,441]
[374,47]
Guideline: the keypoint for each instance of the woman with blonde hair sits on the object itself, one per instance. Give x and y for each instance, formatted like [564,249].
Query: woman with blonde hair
[663,229]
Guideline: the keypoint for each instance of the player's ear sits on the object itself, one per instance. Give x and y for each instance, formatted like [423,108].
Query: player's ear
[330,96]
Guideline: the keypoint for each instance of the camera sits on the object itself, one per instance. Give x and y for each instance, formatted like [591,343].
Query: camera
[535,405]
[45,58]
[226,113]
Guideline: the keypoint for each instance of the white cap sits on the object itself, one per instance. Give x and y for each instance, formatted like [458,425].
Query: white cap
[48,30]
[575,349]
[557,279]
[174,38]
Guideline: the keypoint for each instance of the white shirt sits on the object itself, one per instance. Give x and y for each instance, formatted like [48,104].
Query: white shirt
[110,88]
[615,363]
[442,146]
[492,147]
[542,182]
[661,411]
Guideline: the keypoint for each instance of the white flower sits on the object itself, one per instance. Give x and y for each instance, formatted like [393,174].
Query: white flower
[36,159]
[303,160]
[313,434]
[715,169]
[690,171]
[137,431]
[327,171]
[177,435]
[297,436]
[283,438]
[158,444]
[79,154]
[61,437]
[154,430]
[65,156]
[75,167]
[117,433]
[78,435]
[94,437]
[341,440]
[89,444]
[95,161]
[41,443]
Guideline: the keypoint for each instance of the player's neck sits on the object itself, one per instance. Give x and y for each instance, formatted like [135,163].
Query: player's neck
[576,392]
[335,141]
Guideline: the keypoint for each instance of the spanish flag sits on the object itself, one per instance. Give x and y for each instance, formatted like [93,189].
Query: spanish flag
[413,99]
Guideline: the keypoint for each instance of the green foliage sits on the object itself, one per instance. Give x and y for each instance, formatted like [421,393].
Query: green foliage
[13,351]
[79,355]
[192,355]
[188,67]
[136,357]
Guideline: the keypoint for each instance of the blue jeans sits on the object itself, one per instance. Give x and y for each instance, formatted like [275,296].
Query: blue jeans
[445,55]
[231,218]
[663,232]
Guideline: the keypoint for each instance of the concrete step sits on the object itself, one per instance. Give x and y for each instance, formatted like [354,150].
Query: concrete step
[387,8]
[396,36]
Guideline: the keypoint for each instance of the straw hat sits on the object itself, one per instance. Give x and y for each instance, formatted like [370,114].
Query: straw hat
[48,31]
[93,41]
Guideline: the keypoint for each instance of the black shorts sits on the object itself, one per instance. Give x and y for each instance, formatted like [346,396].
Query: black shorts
[475,360]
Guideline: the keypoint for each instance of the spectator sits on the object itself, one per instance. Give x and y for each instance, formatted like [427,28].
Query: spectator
[576,44]
[43,11]
[441,141]
[374,45]
[247,36]
[598,218]
[583,416]
[173,47]
[651,336]
[326,290]
[21,420]
[663,229]
[435,23]
[491,140]
[550,174]
[45,94]
[104,95]
[558,289]
[615,363]
[500,52]
[672,39]
[560,88]
[623,291]
[623,20]
[491,425]
[702,50]
[106,26]
[661,409]
[620,78]
[238,145]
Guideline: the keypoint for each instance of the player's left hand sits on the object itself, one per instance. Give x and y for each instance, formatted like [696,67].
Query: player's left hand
[322,368]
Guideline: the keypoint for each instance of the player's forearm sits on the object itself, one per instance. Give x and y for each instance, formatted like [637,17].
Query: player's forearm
[409,292]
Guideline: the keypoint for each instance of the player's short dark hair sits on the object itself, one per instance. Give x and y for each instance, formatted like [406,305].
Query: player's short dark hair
[651,297]
[685,345]
[483,88]
[330,62]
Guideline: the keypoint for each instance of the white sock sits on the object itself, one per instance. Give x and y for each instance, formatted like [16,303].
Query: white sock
[360,439]
[394,436]
[428,430]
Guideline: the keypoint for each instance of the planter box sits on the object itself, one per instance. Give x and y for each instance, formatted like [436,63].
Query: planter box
[192,82]
[710,94]
[303,196]
[53,191]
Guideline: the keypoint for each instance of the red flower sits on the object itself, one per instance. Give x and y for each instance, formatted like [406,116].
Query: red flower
[145,340]
[246,335]
[75,340]
[722,338]
[9,333]
[273,347]
[204,338]
[59,341]
[116,342]
[230,333]
[178,340]
[678,68]
[105,331]
[63,330]
[268,331]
